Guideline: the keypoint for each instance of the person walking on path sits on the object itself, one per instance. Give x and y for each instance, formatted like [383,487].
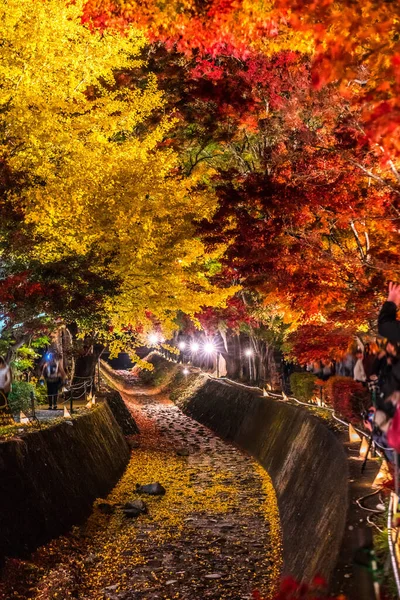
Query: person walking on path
[54,376]
[5,377]
[359,373]
[368,361]
[5,387]
[382,369]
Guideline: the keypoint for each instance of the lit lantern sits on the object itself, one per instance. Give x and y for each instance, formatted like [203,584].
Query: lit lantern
[284,396]
[23,418]
[265,393]
[383,476]
[67,414]
[364,448]
[353,435]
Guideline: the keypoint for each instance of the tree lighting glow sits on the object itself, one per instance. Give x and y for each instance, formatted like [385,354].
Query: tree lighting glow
[195,347]
[209,347]
[153,338]
[182,345]
[248,352]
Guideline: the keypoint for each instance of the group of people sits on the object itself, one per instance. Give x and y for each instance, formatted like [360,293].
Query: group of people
[387,372]
[377,367]
[52,373]
[370,365]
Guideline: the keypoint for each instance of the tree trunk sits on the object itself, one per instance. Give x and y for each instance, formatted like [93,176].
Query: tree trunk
[233,366]
[86,363]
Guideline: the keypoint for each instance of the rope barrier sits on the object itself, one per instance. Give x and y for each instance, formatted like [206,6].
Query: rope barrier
[392,550]
[372,510]
[308,404]
[283,398]
[4,400]
[393,496]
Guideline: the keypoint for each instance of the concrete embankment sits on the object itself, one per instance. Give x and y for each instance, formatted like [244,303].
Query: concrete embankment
[50,478]
[305,460]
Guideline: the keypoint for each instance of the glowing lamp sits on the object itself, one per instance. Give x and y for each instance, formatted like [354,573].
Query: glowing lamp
[353,435]
[194,347]
[182,345]
[364,447]
[248,352]
[153,338]
[383,476]
[23,418]
[209,347]
[185,371]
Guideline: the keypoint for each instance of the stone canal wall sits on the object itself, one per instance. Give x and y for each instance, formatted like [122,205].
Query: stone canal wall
[50,478]
[305,460]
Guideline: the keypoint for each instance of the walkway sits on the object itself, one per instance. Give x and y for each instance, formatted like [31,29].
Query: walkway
[224,547]
[214,534]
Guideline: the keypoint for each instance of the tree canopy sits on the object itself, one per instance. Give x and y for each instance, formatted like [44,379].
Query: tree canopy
[95,208]
[158,156]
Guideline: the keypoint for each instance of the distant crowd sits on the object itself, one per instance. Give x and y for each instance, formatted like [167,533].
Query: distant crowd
[376,365]
[51,373]
[369,364]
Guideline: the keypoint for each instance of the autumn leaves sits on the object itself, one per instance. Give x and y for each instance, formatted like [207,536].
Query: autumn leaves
[155,169]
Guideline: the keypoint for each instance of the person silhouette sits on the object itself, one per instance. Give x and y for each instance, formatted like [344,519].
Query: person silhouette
[54,375]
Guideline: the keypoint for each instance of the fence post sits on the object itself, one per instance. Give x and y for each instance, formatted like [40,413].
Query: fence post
[32,395]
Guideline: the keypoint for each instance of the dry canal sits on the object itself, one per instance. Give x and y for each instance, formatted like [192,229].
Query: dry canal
[214,534]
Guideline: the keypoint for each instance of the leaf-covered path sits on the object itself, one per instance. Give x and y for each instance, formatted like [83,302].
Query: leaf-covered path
[214,534]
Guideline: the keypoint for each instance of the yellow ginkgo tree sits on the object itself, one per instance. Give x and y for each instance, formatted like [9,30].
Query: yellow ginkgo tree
[93,178]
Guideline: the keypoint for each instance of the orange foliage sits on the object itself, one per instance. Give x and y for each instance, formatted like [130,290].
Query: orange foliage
[313,215]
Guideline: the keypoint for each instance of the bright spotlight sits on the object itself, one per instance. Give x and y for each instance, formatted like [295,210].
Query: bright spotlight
[209,347]
[153,338]
[248,352]
[185,371]
[182,345]
[194,347]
